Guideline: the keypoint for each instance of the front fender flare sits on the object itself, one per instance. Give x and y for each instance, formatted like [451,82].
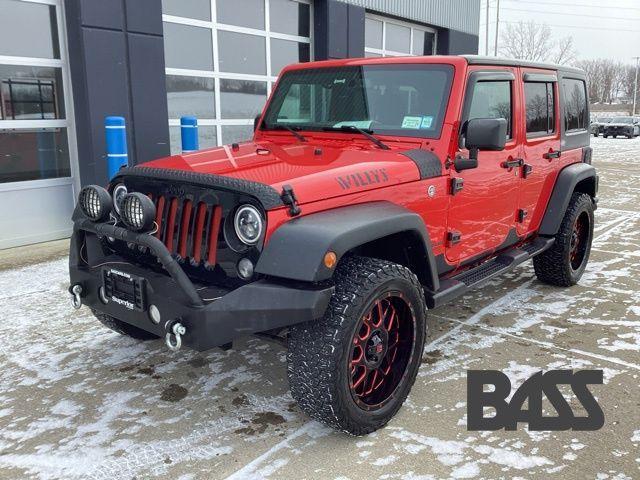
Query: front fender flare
[296,249]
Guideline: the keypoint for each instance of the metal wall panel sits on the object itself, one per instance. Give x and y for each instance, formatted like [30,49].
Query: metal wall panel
[462,15]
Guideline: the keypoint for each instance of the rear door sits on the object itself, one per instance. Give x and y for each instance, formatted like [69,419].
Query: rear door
[482,213]
[541,125]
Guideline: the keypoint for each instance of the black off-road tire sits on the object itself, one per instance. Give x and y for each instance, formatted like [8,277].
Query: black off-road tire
[554,266]
[319,356]
[123,328]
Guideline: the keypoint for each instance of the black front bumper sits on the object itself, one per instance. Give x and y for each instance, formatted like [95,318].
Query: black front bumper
[259,306]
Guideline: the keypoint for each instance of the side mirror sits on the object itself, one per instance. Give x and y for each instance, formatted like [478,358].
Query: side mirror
[482,134]
[256,121]
[486,134]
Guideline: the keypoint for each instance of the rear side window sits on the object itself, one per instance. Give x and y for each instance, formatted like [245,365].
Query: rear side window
[575,105]
[492,99]
[540,102]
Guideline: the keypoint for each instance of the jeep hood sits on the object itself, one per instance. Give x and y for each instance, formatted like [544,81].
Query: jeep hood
[315,172]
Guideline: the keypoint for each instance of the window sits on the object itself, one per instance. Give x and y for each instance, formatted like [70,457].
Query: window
[223,58]
[540,105]
[34,142]
[403,100]
[576,115]
[492,99]
[389,37]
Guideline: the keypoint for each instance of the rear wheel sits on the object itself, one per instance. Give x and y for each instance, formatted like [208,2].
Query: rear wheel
[564,263]
[123,328]
[353,369]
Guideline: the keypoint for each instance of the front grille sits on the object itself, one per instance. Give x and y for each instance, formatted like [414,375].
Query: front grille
[188,229]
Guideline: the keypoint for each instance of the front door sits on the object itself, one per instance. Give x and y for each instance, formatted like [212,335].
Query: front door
[482,215]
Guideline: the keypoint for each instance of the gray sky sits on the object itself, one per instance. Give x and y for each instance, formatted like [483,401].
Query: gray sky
[600,28]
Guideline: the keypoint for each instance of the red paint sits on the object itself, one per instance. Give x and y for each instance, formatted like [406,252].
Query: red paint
[171,224]
[214,229]
[201,215]
[351,170]
[184,228]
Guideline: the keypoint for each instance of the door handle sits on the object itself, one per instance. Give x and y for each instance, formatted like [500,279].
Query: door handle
[512,163]
[551,154]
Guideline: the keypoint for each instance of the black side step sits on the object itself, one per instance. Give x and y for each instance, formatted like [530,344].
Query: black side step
[461,283]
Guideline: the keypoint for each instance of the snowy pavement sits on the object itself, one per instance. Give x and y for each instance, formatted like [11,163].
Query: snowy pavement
[78,401]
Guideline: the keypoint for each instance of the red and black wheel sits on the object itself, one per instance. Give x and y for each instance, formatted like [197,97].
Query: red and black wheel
[564,263]
[354,368]
[381,350]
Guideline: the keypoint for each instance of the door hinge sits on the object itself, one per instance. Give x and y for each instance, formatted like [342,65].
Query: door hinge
[522,214]
[457,184]
[526,170]
[453,237]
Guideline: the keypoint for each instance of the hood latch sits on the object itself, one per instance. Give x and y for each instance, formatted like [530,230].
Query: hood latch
[289,198]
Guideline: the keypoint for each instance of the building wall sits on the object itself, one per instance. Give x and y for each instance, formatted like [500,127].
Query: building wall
[461,15]
[116,56]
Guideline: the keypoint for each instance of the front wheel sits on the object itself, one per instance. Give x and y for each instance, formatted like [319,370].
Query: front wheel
[564,263]
[353,369]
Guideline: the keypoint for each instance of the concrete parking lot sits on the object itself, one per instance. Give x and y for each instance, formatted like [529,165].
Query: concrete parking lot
[78,401]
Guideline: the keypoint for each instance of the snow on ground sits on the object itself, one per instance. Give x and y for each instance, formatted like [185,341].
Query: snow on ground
[78,401]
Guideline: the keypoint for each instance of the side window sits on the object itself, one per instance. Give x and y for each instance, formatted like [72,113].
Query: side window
[539,98]
[575,105]
[492,99]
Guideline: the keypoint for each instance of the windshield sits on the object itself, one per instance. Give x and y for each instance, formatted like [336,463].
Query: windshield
[622,120]
[405,100]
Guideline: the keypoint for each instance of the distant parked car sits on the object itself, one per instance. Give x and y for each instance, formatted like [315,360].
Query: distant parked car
[627,126]
[597,126]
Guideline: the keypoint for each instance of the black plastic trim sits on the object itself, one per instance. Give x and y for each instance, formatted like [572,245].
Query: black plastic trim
[267,195]
[296,249]
[540,77]
[428,163]
[565,185]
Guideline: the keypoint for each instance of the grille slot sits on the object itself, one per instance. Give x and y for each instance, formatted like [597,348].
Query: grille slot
[188,229]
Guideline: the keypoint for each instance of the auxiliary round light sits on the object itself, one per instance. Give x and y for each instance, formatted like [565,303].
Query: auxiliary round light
[95,202]
[119,192]
[245,268]
[137,211]
[248,224]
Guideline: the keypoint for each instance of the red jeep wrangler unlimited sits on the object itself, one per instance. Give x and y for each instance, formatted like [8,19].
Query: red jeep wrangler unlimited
[372,190]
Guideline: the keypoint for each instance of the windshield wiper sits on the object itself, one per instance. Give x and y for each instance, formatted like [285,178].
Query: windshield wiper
[299,136]
[353,128]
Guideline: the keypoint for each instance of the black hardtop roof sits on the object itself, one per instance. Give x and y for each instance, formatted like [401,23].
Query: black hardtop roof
[512,62]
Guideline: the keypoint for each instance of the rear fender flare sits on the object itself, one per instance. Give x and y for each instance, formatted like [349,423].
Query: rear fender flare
[576,177]
[296,249]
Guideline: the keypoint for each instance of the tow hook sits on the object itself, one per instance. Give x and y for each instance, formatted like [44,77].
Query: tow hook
[76,299]
[175,330]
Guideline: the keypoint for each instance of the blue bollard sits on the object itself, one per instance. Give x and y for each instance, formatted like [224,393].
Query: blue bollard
[189,134]
[116,138]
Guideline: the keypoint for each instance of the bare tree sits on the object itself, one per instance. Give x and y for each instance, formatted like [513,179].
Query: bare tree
[564,53]
[526,41]
[533,41]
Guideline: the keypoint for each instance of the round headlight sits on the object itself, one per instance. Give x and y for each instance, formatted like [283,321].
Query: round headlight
[119,192]
[137,211]
[95,202]
[248,224]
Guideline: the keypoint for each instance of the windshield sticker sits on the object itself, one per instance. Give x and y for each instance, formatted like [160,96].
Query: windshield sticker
[339,80]
[411,122]
[427,121]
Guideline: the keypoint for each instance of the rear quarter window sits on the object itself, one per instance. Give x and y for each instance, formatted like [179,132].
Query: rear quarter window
[575,105]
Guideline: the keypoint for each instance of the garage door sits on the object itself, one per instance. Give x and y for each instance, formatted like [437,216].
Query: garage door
[222,58]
